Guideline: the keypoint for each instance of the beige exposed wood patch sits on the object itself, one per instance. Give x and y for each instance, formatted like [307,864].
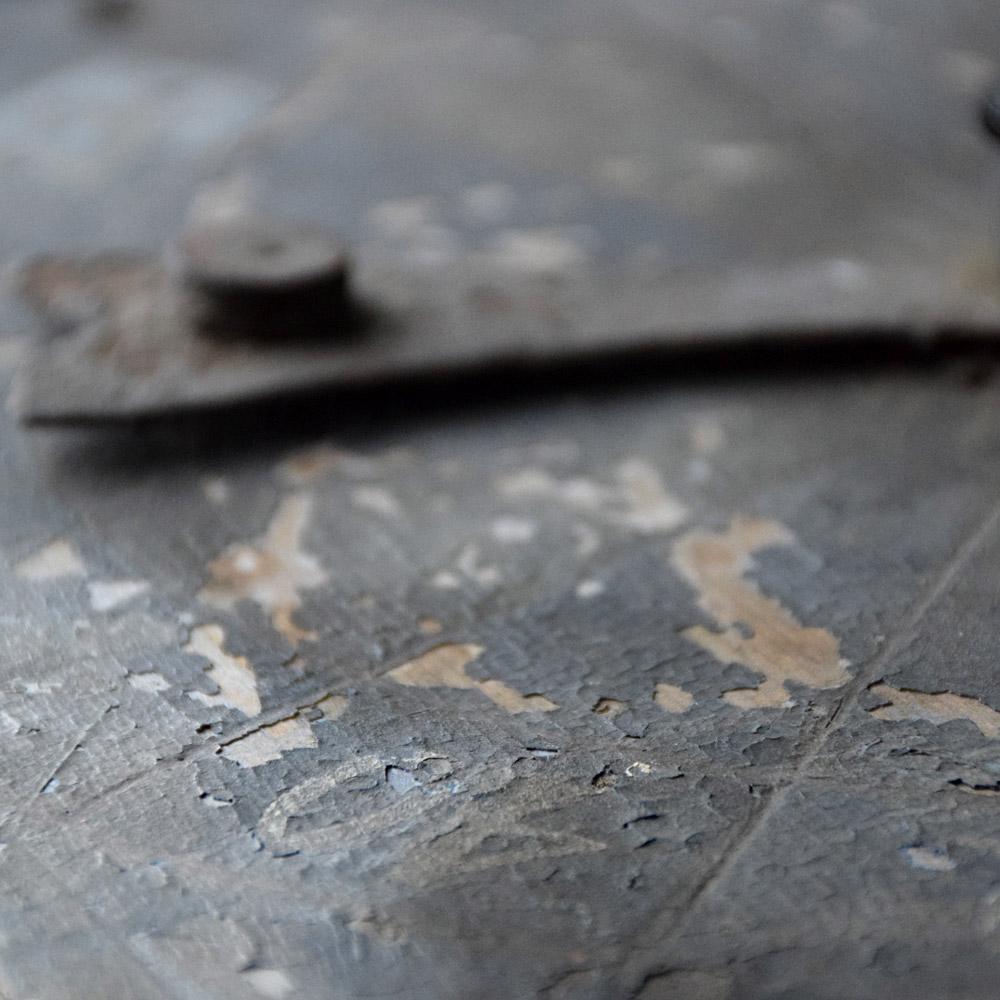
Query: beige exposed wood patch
[672,698]
[57,560]
[233,675]
[270,742]
[903,705]
[445,666]
[271,571]
[758,632]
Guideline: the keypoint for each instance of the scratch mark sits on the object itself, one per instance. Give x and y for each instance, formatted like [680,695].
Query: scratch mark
[270,571]
[778,646]
[445,666]
[672,698]
[233,675]
[903,705]
[56,560]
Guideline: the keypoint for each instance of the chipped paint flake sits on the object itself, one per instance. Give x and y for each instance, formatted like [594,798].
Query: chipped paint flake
[638,500]
[149,681]
[905,705]
[233,675]
[776,645]
[445,666]
[376,499]
[105,595]
[55,561]
[672,698]
[333,706]
[271,571]
[270,983]
[271,742]
[929,859]
[216,490]
[589,589]
[650,507]
[304,467]
[513,530]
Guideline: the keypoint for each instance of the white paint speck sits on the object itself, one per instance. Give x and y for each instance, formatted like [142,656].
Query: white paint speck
[513,530]
[108,594]
[446,580]
[638,767]
[548,250]
[149,681]
[468,563]
[56,560]
[270,983]
[377,499]
[216,490]
[488,204]
[929,859]
[587,589]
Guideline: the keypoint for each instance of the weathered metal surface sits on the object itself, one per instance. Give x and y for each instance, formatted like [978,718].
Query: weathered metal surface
[667,690]
[524,187]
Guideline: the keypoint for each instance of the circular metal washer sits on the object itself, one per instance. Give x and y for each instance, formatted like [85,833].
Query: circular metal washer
[258,255]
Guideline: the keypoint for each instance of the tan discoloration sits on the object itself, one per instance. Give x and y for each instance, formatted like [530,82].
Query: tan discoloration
[445,666]
[332,706]
[57,560]
[672,698]
[778,646]
[233,675]
[429,626]
[271,571]
[904,705]
[270,742]
[307,466]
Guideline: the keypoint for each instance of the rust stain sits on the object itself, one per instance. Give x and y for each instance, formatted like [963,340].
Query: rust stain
[233,675]
[271,571]
[905,705]
[445,666]
[672,698]
[758,631]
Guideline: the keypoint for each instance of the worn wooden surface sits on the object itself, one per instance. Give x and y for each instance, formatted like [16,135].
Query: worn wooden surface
[673,688]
